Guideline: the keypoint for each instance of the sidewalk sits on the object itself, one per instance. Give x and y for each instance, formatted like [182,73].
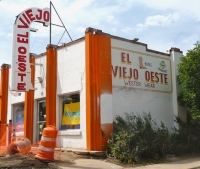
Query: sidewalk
[193,163]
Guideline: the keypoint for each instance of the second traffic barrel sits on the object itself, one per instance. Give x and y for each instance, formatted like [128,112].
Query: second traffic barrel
[47,144]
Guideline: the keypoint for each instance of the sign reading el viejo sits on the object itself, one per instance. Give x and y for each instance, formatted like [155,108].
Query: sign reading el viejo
[141,71]
[21,71]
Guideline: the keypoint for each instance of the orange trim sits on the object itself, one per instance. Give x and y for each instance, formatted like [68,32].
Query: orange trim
[0,86]
[0,93]
[4,98]
[98,81]
[51,134]
[29,106]
[51,84]
[107,129]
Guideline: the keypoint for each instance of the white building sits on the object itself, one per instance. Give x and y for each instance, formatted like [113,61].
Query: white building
[100,76]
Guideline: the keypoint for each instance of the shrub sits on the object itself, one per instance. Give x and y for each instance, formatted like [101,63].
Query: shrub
[137,138]
[187,138]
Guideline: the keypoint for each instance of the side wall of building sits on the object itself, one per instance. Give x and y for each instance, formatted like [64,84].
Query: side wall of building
[150,88]
[178,110]
[70,79]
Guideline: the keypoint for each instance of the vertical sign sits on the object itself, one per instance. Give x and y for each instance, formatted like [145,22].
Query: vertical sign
[21,71]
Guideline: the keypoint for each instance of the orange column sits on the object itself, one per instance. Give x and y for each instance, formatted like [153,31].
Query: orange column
[0,101]
[0,94]
[4,98]
[29,105]
[51,84]
[105,85]
[98,49]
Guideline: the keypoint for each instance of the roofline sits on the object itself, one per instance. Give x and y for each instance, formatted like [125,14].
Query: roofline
[63,46]
[97,31]
[144,44]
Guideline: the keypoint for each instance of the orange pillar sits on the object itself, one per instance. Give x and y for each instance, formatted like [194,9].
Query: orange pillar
[0,94]
[0,103]
[29,105]
[98,81]
[4,98]
[51,84]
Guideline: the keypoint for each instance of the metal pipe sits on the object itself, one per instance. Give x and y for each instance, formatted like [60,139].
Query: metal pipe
[60,20]
[57,25]
[50,24]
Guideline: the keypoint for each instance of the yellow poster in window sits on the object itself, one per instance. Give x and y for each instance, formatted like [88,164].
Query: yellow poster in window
[71,114]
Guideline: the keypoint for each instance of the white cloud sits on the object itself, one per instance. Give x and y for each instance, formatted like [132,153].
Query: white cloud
[126,29]
[80,29]
[110,18]
[184,43]
[2,33]
[158,20]
[183,7]
[189,39]
[4,57]
[113,30]
[140,27]
[187,42]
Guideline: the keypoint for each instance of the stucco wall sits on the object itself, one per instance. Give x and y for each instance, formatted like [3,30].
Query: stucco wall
[129,100]
[138,99]
[178,110]
[70,79]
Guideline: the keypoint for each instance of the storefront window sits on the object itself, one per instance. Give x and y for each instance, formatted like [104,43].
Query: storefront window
[41,117]
[70,112]
[19,117]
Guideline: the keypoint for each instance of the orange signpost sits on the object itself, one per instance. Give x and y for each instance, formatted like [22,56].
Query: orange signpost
[29,105]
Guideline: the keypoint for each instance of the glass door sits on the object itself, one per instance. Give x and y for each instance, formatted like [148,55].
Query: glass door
[41,122]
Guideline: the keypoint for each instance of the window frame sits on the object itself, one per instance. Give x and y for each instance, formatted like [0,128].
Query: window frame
[14,115]
[67,131]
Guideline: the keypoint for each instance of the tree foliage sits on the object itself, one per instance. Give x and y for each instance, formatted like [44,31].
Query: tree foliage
[189,78]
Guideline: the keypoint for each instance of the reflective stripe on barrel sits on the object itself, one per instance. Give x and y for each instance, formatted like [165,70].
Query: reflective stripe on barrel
[47,139]
[46,149]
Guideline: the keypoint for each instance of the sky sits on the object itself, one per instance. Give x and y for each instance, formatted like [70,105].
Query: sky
[161,24]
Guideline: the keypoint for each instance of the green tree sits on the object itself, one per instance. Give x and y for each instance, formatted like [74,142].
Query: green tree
[189,78]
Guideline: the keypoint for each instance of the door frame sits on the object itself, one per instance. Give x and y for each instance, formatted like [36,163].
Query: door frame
[38,120]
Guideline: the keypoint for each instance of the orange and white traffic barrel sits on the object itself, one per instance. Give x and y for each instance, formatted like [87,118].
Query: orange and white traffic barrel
[47,144]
